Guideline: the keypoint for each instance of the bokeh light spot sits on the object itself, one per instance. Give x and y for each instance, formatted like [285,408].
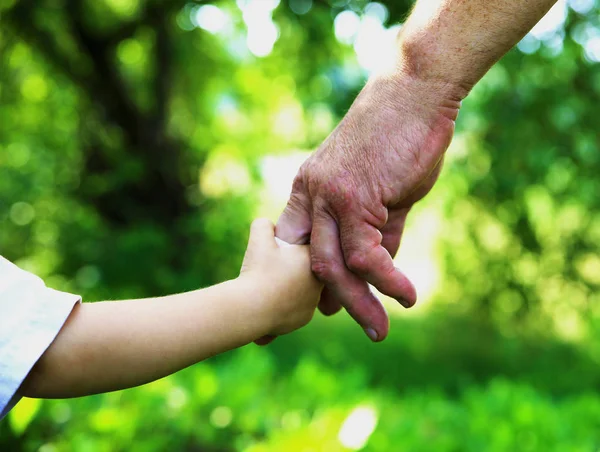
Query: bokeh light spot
[223,174]
[124,8]
[300,7]
[88,276]
[378,11]
[581,6]
[210,18]
[358,427]
[22,213]
[221,416]
[262,33]
[552,22]
[34,88]
[346,26]
[130,52]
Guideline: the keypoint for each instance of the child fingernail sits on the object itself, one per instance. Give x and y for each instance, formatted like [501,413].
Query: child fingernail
[372,334]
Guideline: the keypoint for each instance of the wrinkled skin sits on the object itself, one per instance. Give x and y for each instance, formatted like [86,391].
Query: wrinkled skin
[351,198]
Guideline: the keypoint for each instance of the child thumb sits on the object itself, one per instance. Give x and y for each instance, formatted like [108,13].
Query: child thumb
[262,233]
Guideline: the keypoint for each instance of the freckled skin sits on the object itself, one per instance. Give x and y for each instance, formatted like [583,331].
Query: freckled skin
[351,198]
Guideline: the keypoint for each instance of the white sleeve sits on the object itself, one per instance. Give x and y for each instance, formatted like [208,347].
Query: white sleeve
[31,315]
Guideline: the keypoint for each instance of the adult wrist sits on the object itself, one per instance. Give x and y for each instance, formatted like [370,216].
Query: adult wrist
[411,93]
[428,64]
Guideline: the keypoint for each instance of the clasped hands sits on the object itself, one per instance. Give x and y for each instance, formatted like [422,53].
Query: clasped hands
[351,198]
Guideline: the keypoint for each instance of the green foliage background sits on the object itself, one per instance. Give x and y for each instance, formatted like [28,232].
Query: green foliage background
[130,150]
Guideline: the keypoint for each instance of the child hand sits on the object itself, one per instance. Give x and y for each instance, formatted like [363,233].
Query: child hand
[282,273]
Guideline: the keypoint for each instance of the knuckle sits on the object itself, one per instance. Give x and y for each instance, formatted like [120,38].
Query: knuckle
[376,214]
[337,191]
[298,183]
[357,262]
[297,201]
[324,270]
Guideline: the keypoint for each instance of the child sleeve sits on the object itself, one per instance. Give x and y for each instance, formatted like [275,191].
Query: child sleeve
[31,315]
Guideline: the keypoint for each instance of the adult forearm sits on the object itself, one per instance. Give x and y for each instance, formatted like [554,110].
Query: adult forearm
[108,346]
[457,41]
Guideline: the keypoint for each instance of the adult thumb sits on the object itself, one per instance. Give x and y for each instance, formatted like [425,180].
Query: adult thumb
[294,224]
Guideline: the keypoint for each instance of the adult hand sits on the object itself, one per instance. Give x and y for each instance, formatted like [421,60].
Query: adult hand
[352,196]
[350,199]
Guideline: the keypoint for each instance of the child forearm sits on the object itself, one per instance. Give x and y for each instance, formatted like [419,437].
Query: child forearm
[108,346]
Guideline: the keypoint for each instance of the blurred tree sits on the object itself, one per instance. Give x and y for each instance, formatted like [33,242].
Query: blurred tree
[148,99]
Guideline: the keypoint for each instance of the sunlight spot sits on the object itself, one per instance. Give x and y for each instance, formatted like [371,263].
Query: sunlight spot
[418,252]
[88,276]
[177,398]
[346,26]
[583,32]
[262,33]
[229,114]
[61,412]
[130,52]
[257,5]
[569,325]
[18,154]
[375,45]
[509,301]
[321,121]
[207,384]
[588,266]
[184,18]
[377,11]
[221,416]
[223,174]
[300,6]
[555,44]
[550,30]
[492,236]
[210,18]
[226,105]
[278,172]
[22,213]
[592,49]
[581,6]
[288,121]
[292,420]
[124,8]
[48,447]
[34,88]
[261,38]
[358,427]
[552,22]
[529,44]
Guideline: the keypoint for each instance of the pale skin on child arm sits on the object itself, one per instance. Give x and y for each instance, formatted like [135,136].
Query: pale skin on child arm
[107,346]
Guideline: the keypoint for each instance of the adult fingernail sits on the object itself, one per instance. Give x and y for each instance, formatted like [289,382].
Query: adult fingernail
[372,334]
[407,304]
